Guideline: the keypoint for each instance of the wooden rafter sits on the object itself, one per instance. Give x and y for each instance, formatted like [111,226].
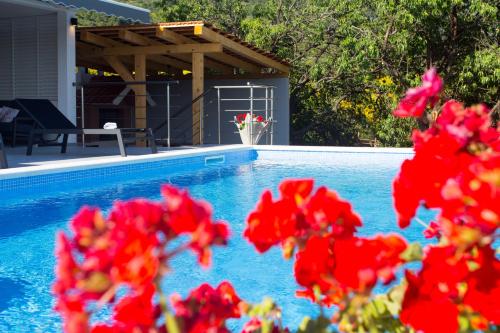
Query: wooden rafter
[104,42]
[236,54]
[175,38]
[119,68]
[95,39]
[134,38]
[182,60]
[160,49]
[214,37]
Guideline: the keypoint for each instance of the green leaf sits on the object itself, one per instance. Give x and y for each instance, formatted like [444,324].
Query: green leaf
[171,323]
[413,253]
[317,325]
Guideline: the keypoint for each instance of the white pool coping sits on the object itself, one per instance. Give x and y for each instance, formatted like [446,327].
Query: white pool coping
[338,149]
[55,166]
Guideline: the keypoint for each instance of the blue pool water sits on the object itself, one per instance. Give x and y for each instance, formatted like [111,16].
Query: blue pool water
[29,219]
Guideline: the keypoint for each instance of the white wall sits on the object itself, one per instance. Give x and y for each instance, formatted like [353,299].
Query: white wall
[37,59]
[66,66]
[28,57]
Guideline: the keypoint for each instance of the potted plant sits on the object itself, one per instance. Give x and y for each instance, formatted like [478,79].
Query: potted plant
[251,127]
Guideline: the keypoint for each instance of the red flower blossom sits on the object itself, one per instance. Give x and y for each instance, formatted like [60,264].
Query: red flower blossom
[432,231]
[326,211]
[429,301]
[255,325]
[67,268]
[147,215]
[188,216]
[464,153]
[129,248]
[206,235]
[416,99]
[296,190]
[313,268]
[206,309]
[326,263]
[298,214]
[184,213]
[87,224]
[137,313]
[240,118]
[135,260]
[447,279]
[72,310]
[376,259]
[483,285]
[271,223]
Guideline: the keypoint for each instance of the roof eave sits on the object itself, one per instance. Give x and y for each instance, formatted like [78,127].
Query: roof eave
[109,7]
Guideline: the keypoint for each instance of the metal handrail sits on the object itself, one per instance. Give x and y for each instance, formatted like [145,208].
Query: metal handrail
[184,108]
[269,107]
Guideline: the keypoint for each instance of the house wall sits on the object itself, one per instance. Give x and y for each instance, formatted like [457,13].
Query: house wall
[66,65]
[181,96]
[37,58]
[28,59]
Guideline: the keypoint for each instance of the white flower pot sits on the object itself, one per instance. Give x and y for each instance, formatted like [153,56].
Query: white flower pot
[258,130]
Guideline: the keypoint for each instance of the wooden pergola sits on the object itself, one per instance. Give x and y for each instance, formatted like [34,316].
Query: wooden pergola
[134,51]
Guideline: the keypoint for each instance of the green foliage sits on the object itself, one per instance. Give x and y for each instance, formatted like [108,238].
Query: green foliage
[320,324]
[374,315]
[395,132]
[340,49]
[88,18]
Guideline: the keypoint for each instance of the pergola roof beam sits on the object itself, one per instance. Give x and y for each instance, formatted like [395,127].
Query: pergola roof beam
[214,37]
[162,42]
[184,60]
[175,38]
[104,42]
[161,49]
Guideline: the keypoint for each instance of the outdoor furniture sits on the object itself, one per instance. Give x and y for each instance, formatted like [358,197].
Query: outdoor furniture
[49,120]
[3,156]
[20,126]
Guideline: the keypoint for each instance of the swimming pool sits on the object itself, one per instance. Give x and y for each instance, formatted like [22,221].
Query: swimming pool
[32,210]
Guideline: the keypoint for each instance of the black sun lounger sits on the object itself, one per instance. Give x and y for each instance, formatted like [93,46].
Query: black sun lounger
[3,156]
[19,127]
[49,120]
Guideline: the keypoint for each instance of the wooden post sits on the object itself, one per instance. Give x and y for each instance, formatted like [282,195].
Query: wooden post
[140,94]
[198,80]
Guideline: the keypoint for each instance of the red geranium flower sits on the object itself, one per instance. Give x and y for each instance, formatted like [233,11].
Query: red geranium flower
[206,309]
[416,99]
[298,214]
[429,302]
[327,263]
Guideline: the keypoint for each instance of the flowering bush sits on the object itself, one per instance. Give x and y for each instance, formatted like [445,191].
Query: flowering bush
[115,264]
